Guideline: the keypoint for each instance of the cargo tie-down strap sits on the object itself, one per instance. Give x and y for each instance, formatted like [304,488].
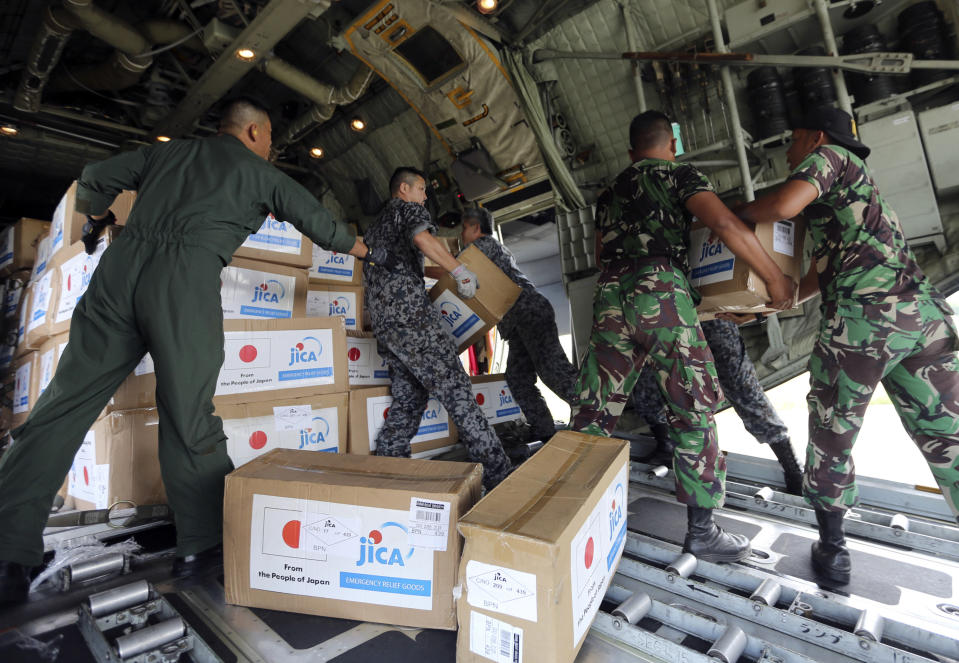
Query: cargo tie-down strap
[140,514]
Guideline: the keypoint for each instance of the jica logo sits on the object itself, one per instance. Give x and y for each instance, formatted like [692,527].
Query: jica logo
[340,306]
[432,411]
[505,398]
[333,258]
[306,351]
[270,291]
[451,313]
[316,434]
[711,247]
[376,548]
[616,510]
[271,223]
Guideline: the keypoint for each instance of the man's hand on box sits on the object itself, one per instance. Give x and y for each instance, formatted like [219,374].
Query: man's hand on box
[466,282]
[738,318]
[93,228]
[782,293]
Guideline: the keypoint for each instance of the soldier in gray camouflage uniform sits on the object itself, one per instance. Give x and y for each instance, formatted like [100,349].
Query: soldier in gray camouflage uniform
[420,355]
[882,321]
[530,328]
[739,381]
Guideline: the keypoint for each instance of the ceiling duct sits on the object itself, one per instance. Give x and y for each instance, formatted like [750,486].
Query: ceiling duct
[44,54]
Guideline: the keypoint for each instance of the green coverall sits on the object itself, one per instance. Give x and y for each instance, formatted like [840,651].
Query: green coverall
[156,290]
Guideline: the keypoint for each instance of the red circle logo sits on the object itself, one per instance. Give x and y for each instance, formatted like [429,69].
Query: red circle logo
[354,354]
[590,546]
[248,353]
[375,537]
[291,533]
[258,440]
[299,346]
[386,412]
[480,399]
[86,476]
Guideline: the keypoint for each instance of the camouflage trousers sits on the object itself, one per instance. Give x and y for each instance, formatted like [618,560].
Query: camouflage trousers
[423,361]
[911,350]
[737,376]
[534,348]
[644,315]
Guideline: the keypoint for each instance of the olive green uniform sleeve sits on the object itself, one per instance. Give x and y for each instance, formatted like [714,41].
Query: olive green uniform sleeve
[100,183]
[292,202]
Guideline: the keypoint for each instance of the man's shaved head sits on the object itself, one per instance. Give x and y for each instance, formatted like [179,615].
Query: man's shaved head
[242,112]
[650,130]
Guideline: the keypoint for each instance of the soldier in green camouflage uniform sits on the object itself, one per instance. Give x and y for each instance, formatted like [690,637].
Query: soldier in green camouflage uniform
[883,321]
[645,312]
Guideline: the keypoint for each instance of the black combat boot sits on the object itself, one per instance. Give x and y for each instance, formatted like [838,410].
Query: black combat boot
[707,540]
[830,557]
[14,583]
[663,455]
[199,563]
[792,472]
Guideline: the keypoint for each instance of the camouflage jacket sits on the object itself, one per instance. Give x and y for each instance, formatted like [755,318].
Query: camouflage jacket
[398,297]
[643,213]
[865,266]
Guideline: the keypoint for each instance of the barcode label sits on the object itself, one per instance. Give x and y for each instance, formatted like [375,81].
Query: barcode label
[495,640]
[429,523]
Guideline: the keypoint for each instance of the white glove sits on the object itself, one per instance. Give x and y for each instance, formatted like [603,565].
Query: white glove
[466,281]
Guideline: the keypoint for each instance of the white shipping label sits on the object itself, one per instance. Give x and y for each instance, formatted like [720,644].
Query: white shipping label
[279,359]
[338,551]
[21,389]
[6,247]
[710,261]
[784,237]
[87,480]
[327,304]
[366,366]
[75,275]
[501,589]
[145,366]
[275,236]
[595,552]
[496,401]
[43,258]
[56,225]
[292,417]
[40,305]
[495,640]
[434,424]
[332,266]
[429,523]
[254,436]
[249,294]
[48,362]
[458,318]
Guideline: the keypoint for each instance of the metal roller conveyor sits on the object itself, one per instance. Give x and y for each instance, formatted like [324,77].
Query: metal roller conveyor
[99,567]
[149,638]
[119,598]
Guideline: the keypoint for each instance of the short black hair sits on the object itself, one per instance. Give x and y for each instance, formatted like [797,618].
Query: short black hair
[239,112]
[649,130]
[407,174]
[479,215]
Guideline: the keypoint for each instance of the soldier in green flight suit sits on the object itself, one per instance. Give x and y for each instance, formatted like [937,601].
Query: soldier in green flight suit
[157,290]
[882,321]
[644,313]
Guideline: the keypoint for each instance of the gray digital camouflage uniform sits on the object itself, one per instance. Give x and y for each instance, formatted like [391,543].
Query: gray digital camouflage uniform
[883,321]
[739,381]
[419,353]
[534,348]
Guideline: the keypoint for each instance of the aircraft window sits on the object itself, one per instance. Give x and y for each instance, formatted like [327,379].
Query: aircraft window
[430,54]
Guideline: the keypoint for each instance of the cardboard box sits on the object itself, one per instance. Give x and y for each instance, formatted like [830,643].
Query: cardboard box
[346,536]
[265,360]
[368,408]
[346,301]
[469,320]
[66,227]
[23,318]
[18,244]
[13,290]
[255,290]
[118,461]
[44,253]
[540,551]
[366,367]
[24,387]
[335,268]
[493,395]
[43,307]
[48,356]
[725,282]
[313,423]
[452,245]
[278,242]
[72,271]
